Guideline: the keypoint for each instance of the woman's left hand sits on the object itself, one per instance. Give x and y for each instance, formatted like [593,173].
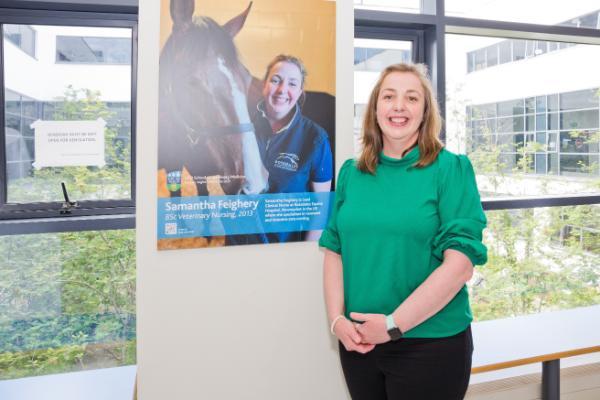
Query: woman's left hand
[373,330]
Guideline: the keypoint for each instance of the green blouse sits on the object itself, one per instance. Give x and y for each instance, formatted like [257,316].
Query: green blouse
[392,228]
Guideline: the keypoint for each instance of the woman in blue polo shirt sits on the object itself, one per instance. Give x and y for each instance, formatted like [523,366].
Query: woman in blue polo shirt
[294,149]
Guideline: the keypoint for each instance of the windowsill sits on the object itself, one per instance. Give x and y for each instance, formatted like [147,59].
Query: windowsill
[528,337]
[99,384]
[524,370]
[67,224]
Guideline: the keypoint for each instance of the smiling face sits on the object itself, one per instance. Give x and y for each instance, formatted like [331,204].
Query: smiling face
[282,89]
[400,108]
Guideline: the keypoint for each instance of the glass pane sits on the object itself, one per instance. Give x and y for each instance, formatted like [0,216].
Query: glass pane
[540,104]
[540,122]
[492,56]
[79,115]
[484,111]
[93,50]
[405,6]
[529,123]
[22,36]
[540,164]
[553,121]
[553,164]
[510,142]
[68,302]
[511,107]
[371,56]
[518,50]
[480,61]
[576,13]
[552,141]
[579,119]
[510,124]
[505,52]
[579,99]
[553,102]
[484,126]
[540,259]
[534,113]
[530,105]
[578,164]
[579,142]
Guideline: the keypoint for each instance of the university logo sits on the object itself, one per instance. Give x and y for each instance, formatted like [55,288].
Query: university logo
[287,161]
[174,181]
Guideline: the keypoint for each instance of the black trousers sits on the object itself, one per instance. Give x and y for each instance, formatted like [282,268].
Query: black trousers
[411,369]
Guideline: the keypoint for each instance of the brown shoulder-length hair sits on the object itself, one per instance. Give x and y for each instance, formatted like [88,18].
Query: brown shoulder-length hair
[429,130]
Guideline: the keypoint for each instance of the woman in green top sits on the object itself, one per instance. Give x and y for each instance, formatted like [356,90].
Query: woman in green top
[401,242]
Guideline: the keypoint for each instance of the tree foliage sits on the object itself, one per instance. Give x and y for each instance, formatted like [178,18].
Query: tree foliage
[83,182]
[540,259]
[67,300]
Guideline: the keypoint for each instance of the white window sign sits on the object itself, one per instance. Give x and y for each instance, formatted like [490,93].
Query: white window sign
[69,143]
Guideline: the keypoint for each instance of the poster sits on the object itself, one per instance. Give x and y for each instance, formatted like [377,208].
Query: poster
[246,122]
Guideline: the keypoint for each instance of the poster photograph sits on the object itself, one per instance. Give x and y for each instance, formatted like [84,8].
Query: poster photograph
[246,122]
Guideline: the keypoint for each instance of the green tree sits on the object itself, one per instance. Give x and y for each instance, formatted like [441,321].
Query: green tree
[538,259]
[67,300]
[84,183]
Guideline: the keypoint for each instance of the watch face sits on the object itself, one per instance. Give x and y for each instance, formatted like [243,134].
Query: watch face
[395,333]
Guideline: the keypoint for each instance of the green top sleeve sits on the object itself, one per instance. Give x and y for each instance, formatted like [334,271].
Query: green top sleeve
[462,219]
[330,237]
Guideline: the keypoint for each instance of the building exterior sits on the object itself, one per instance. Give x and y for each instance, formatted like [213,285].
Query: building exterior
[42,63]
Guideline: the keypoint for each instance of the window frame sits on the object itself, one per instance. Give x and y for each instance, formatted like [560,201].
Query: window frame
[91,214]
[436,26]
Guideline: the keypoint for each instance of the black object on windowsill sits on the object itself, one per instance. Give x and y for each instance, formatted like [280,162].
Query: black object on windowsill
[67,205]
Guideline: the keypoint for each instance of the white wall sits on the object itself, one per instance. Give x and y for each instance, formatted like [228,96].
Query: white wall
[244,322]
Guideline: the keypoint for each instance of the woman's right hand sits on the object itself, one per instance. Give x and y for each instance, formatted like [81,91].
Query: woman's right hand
[347,334]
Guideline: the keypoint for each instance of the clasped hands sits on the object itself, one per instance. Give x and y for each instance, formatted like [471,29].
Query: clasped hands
[362,337]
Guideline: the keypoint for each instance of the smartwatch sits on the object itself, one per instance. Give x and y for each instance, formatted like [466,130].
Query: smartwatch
[392,330]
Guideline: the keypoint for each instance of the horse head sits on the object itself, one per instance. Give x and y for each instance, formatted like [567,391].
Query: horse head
[204,126]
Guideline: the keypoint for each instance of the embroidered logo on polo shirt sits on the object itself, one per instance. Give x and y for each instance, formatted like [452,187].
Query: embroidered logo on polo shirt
[287,161]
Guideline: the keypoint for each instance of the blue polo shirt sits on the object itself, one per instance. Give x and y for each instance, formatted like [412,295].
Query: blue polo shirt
[296,155]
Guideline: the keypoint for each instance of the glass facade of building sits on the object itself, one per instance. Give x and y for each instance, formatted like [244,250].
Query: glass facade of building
[519,49]
[554,134]
[22,36]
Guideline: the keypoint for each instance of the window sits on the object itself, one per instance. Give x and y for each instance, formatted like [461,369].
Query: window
[505,51]
[22,36]
[67,283]
[371,56]
[68,302]
[533,141]
[538,276]
[562,128]
[93,50]
[73,126]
